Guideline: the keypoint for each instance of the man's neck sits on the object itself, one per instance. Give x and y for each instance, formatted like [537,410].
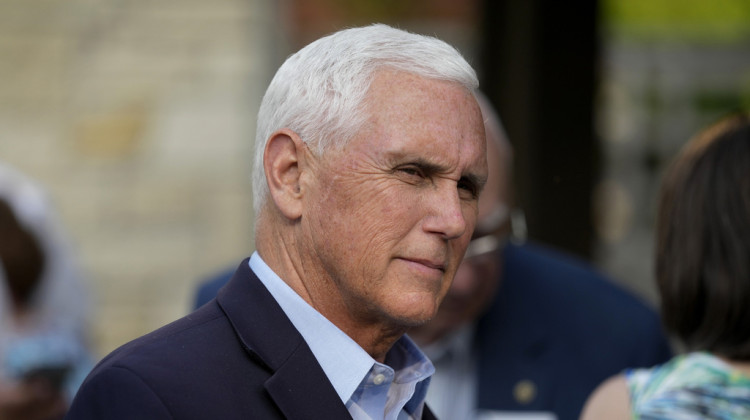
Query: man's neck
[316,289]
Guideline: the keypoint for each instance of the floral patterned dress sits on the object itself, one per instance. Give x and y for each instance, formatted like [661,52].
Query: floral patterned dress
[690,386]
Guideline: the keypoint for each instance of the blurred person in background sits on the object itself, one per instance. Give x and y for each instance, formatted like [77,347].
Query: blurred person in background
[524,330]
[44,352]
[703,279]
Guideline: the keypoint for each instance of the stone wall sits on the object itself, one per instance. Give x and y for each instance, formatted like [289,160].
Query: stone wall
[139,118]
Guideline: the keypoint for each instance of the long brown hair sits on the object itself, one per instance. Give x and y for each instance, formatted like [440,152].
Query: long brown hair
[703,241]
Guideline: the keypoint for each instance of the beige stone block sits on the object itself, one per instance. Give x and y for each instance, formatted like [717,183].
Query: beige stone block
[109,136]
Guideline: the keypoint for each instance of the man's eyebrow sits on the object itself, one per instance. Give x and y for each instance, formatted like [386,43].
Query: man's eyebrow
[427,166]
[477,181]
[432,167]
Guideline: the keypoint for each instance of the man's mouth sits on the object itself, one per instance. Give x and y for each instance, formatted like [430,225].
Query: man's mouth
[433,264]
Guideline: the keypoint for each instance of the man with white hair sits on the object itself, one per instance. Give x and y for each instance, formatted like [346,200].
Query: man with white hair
[370,157]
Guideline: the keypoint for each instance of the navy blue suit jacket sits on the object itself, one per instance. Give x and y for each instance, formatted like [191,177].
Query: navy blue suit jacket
[237,357]
[562,328]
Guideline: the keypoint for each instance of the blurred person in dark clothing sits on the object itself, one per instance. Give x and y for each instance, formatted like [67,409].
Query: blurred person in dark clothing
[43,307]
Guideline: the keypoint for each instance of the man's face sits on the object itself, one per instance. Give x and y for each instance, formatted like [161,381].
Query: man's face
[391,214]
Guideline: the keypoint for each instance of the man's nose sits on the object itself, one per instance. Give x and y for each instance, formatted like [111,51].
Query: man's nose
[446,213]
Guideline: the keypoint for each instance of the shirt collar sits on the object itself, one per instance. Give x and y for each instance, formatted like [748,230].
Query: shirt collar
[407,358]
[411,365]
[344,362]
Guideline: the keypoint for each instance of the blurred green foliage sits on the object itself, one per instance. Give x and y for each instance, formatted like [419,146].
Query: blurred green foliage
[713,21]
[718,101]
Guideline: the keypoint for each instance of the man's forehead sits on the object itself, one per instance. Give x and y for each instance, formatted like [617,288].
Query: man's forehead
[414,117]
[394,80]
[392,93]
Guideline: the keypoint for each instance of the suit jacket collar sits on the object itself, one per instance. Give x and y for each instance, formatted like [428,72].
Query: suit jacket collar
[427,414]
[297,384]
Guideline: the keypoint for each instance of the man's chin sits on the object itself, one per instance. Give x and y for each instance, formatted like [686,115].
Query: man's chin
[414,319]
[415,322]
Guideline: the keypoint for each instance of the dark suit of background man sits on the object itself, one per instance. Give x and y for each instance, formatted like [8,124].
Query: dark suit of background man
[370,157]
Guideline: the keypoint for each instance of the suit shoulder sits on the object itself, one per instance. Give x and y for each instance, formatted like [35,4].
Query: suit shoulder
[552,273]
[546,293]
[542,261]
[569,295]
[172,343]
[95,398]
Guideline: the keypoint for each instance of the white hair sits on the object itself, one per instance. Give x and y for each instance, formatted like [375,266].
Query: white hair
[318,92]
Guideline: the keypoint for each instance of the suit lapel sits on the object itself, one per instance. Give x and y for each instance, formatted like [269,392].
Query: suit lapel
[427,414]
[299,392]
[297,384]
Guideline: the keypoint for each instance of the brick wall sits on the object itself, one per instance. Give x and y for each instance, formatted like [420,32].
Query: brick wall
[139,117]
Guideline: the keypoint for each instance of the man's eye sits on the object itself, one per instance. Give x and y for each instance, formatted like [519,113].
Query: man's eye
[412,171]
[469,187]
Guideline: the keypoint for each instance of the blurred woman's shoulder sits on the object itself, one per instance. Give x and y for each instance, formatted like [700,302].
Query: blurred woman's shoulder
[690,384]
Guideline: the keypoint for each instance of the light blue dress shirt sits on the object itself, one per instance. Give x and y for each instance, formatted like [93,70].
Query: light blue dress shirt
[370,390]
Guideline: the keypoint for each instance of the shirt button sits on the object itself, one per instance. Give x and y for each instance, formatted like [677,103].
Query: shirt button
[378,379]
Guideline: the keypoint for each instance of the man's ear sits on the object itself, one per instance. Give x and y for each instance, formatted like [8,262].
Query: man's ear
[281,163]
